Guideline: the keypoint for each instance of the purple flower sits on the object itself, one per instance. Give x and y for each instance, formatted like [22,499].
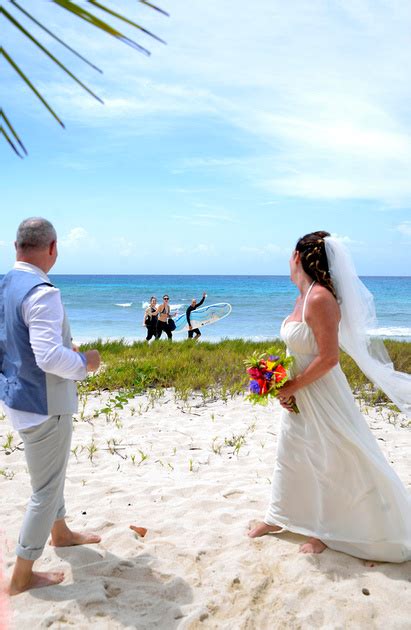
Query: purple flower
[268,376]
[254,387]
[273,358]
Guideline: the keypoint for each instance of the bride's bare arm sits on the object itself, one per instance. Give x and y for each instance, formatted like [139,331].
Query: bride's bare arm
[322,315]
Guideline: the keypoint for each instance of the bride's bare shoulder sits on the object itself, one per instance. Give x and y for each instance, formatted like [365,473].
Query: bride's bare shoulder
[321,292]
[322,300]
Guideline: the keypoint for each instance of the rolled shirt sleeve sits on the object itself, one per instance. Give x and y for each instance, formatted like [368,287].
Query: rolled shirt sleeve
[43,314]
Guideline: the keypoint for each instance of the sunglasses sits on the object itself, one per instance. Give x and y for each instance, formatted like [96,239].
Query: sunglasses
[166,298]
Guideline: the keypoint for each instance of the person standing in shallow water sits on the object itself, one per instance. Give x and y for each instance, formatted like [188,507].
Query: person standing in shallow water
[194,331]
[38,367]
[151,318]
[331,481]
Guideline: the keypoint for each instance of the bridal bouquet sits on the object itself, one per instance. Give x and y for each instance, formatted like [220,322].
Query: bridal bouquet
[267,373]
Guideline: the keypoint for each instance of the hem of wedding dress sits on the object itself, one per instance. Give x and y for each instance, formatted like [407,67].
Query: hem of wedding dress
[335,545]
[291,528]
[279,531]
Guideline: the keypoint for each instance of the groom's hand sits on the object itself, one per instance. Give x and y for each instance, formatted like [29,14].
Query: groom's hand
[93,360]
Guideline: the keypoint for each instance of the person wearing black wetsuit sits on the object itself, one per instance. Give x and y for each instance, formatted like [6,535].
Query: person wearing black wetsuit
[191,308]
[150,319]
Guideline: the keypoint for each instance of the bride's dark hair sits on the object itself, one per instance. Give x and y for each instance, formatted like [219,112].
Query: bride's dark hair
[311,248]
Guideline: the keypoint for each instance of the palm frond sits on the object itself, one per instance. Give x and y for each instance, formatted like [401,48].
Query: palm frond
[12,130]
[153,6]
[6,130]
[54,36]
[124,19]
[49,54]
[30,85]
[4,133]
[74,8]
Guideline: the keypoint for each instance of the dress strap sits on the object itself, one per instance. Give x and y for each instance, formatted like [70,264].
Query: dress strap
[305,299]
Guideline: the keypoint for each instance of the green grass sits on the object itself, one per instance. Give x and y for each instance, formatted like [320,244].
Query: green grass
[209,368]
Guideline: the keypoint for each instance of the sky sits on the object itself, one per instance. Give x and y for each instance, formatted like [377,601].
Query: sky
[255,124]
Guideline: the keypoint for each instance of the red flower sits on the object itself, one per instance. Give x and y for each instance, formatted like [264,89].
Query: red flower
[263,385]
[279,373]
[254,372]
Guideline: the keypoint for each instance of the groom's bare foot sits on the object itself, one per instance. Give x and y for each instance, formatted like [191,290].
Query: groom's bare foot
[70,539]
[313,545]
[62,536]
[37,579]
[262,529]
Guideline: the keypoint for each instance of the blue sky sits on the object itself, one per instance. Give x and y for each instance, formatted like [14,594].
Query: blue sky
[257,123]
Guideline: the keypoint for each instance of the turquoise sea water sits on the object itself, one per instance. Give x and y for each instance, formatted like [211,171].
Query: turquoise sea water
[112,306]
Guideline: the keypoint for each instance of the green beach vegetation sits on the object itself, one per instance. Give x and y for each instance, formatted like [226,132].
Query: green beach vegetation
[211,369]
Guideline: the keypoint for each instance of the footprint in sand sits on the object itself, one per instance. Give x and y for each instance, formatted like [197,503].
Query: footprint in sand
[111,590]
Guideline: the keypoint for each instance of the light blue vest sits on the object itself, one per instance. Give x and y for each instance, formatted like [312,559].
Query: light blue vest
[23,385]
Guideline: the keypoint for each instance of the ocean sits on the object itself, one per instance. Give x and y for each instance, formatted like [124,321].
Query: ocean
[112,306]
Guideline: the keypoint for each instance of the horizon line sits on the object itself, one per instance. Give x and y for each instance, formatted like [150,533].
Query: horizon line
[205,275]
[211,275]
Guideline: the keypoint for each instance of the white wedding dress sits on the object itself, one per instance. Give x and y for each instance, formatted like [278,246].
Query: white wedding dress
[331,480]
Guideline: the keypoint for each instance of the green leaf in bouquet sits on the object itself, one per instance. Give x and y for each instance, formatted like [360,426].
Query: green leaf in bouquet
[254,359]
[256,399]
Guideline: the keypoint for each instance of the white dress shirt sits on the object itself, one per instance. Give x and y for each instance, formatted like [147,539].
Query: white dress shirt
[43,314]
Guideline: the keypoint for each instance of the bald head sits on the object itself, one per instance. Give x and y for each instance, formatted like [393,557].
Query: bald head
[36,243]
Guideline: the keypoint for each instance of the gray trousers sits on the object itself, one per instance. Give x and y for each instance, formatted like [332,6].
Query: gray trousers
[47,449]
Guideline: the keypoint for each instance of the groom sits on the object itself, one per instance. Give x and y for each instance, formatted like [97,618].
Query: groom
[38,367]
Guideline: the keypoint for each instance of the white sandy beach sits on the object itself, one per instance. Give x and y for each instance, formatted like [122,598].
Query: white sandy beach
[174,468]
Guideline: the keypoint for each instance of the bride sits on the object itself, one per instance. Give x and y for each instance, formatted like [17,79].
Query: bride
[331,482]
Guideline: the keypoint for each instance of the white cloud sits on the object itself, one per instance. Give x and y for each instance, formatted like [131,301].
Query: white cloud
[140,98]
[212,162]
[216,217]
[404,228]
[392,188]
[345,239]
[124,247]
[191,191]
[203,219]
[74,238]
[353,132]
[323,87]
[201,248]
[269,249]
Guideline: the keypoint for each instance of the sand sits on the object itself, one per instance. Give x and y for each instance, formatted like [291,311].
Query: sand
[195,475]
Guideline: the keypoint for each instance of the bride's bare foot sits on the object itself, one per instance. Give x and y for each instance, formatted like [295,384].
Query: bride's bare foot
[36,579]
[262,529]
[313,545]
